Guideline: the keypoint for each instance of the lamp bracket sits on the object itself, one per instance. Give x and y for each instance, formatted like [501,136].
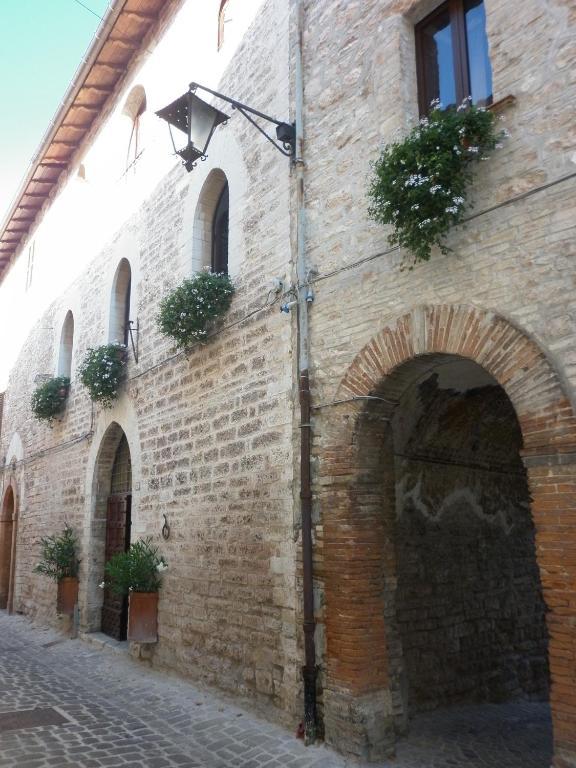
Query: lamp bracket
[285,132]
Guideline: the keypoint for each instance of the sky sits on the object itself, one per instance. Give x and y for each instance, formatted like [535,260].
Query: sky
[41,45]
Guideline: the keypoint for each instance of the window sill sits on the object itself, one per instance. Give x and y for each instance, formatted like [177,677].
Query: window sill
[502,104]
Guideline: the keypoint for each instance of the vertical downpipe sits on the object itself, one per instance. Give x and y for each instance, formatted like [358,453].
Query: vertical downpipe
[309,668]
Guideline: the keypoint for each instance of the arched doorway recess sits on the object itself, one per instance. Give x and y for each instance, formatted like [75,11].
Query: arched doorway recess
[110,529]
[118,523]
[370,684]
[7,522]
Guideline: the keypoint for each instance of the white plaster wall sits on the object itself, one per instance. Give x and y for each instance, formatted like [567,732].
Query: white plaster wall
[86,213]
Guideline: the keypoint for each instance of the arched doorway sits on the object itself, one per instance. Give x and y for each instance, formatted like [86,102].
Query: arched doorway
[469,615]
[405,537]
[6,547]
[118,524]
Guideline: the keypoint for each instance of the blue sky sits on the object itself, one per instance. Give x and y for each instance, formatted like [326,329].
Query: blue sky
[41,45]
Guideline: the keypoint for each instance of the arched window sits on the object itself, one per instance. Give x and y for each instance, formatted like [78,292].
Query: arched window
[221,22]
[120,304]
[66,346]
[219,261]
[211,224]
[134,108]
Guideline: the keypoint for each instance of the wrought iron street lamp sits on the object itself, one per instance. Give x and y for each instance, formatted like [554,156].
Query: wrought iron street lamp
[198,120]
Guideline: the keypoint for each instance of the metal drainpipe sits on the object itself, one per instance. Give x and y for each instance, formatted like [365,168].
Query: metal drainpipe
[309,668]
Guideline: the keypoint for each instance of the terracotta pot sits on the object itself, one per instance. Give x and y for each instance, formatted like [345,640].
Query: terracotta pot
[67,595]
[143,617]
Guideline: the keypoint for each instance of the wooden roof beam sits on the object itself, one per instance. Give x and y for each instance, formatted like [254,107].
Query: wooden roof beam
[118,68]
[129,46]
[140,15]
[61,143]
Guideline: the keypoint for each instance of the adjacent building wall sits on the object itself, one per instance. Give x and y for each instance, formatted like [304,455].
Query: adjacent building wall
[209,431]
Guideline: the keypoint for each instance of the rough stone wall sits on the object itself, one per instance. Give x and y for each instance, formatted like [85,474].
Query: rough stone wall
[210,432]
[469,602]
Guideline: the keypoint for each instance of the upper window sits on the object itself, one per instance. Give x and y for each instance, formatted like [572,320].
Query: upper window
[66,346]
[30,265]
[452,55]
[120,304]
[134,108]
[221,22]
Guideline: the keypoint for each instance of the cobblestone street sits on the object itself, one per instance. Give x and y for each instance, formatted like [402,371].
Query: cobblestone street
[95,709]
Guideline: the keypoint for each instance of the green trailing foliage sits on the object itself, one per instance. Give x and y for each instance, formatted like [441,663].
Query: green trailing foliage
[102,372]
[59,555]
[137,570]
[420,183]
[187,313]
[49,399]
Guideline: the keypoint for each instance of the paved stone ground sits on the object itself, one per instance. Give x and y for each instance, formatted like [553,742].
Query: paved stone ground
[515,735]
[117,713]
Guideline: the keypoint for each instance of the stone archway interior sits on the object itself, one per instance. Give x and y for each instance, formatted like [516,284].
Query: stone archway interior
[6,526]
[469,609]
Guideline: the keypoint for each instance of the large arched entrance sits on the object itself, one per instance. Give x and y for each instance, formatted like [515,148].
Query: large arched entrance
[435,587]
[7,518]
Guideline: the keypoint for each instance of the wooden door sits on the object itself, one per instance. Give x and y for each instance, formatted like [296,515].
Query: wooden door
[115,607]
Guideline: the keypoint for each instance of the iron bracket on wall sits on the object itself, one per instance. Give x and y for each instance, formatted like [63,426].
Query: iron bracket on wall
[285,141]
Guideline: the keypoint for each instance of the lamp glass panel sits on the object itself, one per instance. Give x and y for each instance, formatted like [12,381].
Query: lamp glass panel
[202,118]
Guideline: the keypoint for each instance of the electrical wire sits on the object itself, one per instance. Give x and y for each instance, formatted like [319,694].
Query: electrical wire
[393,249]
[185,353]
[89,10]
[90,433]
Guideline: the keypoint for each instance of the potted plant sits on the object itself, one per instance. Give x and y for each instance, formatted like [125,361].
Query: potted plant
[420,183]
[138,574]
[187,313]
[49,398]
[102,372]
[59,561]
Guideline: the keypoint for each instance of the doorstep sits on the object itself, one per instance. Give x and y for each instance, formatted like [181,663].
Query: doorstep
[105,643]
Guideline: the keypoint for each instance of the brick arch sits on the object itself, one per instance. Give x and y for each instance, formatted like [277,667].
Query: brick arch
[356,492]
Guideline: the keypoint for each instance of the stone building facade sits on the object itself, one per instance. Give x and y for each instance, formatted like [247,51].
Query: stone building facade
[443,431]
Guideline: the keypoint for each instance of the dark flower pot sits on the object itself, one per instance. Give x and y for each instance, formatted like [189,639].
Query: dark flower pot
[121,354]
[67,595]
[143,617]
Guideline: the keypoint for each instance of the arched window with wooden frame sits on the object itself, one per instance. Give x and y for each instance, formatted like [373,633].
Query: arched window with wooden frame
[66,346]
[118,329]
[211,224]
[219,260]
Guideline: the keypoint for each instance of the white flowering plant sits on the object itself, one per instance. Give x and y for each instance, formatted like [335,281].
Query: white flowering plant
[420,183]
[187,313]
[139,569]
[102,372]
[49,399]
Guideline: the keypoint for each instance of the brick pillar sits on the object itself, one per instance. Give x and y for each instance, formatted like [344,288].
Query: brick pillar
[552,480]
[357,499]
